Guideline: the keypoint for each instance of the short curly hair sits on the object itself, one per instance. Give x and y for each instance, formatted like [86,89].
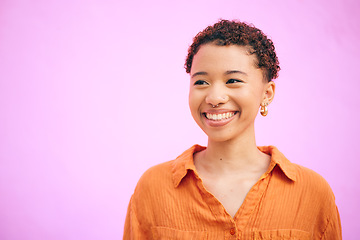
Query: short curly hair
[234,32]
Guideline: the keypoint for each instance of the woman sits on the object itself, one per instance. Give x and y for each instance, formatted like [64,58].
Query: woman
[231,189]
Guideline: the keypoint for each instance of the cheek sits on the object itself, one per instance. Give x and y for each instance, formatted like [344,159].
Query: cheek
[256,94]
[249,102]
[195,100]
[245,96]
[191,105]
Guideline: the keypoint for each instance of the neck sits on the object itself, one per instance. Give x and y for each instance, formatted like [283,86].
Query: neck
[239,154]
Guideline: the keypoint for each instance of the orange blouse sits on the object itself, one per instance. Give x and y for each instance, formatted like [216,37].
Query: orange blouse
[288,202]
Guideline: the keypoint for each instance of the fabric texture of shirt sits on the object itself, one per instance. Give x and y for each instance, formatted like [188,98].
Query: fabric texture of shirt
[288,202]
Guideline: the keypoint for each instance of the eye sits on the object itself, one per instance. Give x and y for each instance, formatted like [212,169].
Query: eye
[200,82]
[233,81]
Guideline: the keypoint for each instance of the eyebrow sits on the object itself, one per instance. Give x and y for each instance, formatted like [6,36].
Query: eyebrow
[235,71]
[226,73]
[199,74]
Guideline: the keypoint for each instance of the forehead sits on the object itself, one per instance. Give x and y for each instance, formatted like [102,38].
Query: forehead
[230,57]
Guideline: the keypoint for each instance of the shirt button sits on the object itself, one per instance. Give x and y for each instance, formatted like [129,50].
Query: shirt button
[232,231]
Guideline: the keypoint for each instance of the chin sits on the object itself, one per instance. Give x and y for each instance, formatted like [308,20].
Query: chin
[219,137]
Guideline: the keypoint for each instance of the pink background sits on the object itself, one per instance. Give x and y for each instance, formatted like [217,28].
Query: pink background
[92,93]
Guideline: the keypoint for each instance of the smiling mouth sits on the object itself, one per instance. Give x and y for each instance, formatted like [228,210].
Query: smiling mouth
[219,117]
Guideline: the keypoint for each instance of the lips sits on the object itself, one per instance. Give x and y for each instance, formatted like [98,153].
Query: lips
[218,118]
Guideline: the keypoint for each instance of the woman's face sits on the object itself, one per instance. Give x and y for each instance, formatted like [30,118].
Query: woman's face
[226,77]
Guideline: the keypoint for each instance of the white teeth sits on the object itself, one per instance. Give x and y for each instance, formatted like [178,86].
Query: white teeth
[219,117]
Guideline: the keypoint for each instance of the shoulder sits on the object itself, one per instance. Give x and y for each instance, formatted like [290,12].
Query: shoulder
[306,195]
[317,193]
[155,177]
[167,175]
[313,194]
[303,179]
[312,182]
[305,184]
[152,190]
[148,197]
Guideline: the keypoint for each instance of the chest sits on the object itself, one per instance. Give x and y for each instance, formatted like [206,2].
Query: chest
[230,191]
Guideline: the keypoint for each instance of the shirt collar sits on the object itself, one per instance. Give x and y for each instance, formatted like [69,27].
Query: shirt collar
[185,162]
[278,159]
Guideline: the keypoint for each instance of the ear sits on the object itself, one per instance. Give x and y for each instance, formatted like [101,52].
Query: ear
[269,92]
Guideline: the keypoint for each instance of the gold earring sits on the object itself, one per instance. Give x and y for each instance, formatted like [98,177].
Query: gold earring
[264,109]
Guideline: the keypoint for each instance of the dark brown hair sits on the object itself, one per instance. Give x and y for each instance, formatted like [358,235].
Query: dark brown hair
[227,32]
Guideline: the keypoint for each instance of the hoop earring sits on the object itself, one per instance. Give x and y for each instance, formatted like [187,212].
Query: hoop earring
[264,109]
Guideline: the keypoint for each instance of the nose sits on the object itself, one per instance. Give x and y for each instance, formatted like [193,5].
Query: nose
[216,96]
